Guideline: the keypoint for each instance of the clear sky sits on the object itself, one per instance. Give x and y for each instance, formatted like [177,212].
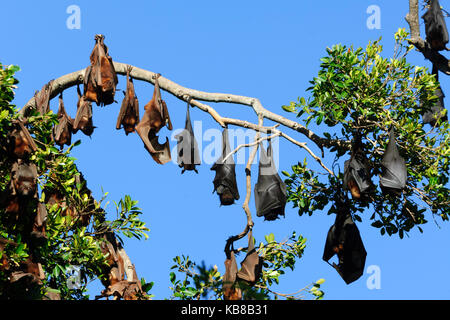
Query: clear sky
[263,49]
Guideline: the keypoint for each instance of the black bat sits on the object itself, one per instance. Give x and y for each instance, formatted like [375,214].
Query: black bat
[270,190]
[83,118]
[435,26]
[63,130]
[356,172]
[187,147]
[437,111]
[225,180]
[129,111]
[344,240]
[251,266]
[394,175]
[100,78]
[155,117]
[23,178]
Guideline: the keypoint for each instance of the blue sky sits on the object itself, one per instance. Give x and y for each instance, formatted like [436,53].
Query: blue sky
[260,49]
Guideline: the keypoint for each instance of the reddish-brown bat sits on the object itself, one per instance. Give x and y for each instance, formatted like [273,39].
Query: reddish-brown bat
[155,117]
[83,118]
[63,130]
[100,78]
[21,144]
[42,98]
[129,111]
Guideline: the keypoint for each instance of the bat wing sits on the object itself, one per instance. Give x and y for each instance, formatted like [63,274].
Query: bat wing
[353,259]
[270,190]
[27,135]
[394,174]
[330,244]
[251,266]
[356,169]
[187,147]
[63,130]
[42,98]
[225,179]
[435,26]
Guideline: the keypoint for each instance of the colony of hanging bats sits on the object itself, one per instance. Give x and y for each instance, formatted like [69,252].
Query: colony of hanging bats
[99,86]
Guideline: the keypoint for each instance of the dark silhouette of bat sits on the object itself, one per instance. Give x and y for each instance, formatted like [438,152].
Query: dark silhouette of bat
[251,266]
[63,130]
[225,180]
[187,147]
[83,118]
[394,175]
[270,190]
[129,111]
[344,240]
[20,142]
[356,171]
[437,111]
[100,78]
[435,26]
[229,288]
[42,98]
[155,117]
[23,178]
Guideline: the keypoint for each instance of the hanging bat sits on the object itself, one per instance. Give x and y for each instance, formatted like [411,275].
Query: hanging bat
[437,111]
[100,78]
[356,172]
[20,142]
[251,266]
[38,232]
[42,98]
[155,117]
[229,289]
[129,111]
[63,130]
[270,190]
[435,27]
[344,240]
[225,180]
[23,179]
[83,118]
[394,175]
[187,147]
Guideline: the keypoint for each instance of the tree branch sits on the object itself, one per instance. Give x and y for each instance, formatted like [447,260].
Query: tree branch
[195,96]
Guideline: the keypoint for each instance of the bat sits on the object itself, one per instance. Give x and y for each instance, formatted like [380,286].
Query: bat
[437,111]
[230,291]
[38,232]
[23,179]
[225,180]
[83,118]
[251,266]
[129,111]
[20,142]
[435,27]
[100,78]
[343,239]
[63,130]
[394,175]
[356,172]
[270,190]
[42,98]
[155,117]
[187,147]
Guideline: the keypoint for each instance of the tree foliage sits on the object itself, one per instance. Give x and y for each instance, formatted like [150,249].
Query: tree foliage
[360,91]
